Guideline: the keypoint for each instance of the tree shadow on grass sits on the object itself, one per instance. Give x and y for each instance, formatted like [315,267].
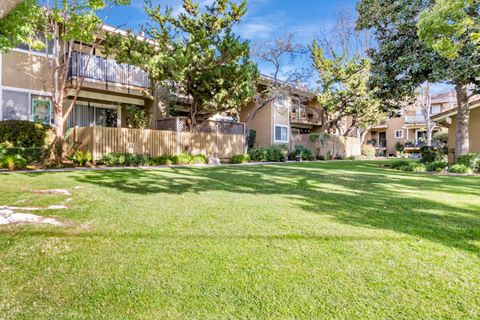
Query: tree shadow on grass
[355,193]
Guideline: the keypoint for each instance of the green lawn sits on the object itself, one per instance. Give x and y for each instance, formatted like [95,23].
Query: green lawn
[338,240]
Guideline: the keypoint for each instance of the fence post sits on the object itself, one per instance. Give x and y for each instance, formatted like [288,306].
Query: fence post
[177,139]
[216,140]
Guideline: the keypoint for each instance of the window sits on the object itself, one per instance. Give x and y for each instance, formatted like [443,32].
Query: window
[15,105]
[281,133]
[435,109]
[41,37]
[398,134]
[282,103]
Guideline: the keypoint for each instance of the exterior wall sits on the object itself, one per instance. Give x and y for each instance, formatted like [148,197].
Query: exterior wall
[474,131]
[281,117]
[262,123]
[24,71]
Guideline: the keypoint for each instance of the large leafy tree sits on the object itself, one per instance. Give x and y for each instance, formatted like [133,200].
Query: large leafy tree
[55,27]
[452,28]
[402,61]
[343,90]
[197,53]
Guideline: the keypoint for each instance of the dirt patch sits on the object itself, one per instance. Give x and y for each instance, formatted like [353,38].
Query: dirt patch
[8,216]
[53,191]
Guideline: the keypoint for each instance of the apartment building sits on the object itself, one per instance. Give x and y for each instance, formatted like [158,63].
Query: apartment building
[105,93]
[409,128]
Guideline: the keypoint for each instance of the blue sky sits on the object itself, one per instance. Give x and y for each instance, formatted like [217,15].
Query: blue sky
[265,20]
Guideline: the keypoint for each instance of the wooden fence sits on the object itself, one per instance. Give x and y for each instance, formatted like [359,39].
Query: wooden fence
[336,146]
[100,140]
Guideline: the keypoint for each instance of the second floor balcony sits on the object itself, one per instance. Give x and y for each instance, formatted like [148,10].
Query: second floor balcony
[106,70]
[418,118]
[305,115]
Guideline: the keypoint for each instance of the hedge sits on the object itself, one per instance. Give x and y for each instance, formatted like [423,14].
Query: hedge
[26,134]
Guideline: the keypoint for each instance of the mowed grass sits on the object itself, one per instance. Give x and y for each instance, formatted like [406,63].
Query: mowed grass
[331,240]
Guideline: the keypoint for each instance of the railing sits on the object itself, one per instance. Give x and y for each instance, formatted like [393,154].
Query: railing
[208,126]
[98,68]
[305,115]
[382,143]
[415,143]
[415,119]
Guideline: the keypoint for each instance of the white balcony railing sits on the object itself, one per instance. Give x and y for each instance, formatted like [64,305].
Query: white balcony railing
[415,119]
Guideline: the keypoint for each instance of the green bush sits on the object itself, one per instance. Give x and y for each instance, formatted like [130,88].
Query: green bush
[460,168]
[432,154]
[302,151]
[27,134]
[240,158]
[400,164]
[163,160]
[116,159]
[182,159]
[437,166]
[32,155]
[399,147]
[471,160]
[12,162]
[275,153]
[416,167]
[368,151]
[199,159]
[81,158]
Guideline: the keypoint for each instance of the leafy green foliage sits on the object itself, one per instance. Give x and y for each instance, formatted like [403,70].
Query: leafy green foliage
[471,160]
[12,162]
[399,146]
[196,50]
[275,153]
[81,158]
[22,133]
[199,159]
[431,154]
[343,89]
[182,158]
[460,168]
[451,26]
[368,151]
[139,116]
[163,160]
[116,159]
[437,166]
[302,151]
[240,158]
[252,136]
[33,155]
[399,164]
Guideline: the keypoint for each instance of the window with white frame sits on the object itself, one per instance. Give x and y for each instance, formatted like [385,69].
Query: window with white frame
[398,134]
[282,103]
[281,133]
[435,109]
[15,105]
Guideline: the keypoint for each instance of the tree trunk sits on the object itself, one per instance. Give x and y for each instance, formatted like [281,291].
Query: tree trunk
[462,145]
[59,132]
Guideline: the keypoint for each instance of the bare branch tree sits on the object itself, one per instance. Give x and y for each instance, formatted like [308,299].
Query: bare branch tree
[279,55]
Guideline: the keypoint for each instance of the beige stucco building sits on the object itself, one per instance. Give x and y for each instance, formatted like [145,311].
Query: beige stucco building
[448,119]
[409,128]
[106,91]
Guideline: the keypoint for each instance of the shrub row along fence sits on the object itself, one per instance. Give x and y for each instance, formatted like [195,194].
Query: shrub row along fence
[155,143]
[335,146]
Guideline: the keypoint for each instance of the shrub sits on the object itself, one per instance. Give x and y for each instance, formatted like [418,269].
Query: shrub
[400,164]
[471,160]
[430,154]
[437,166]
[182,158]
[302,151]
[252,136]
[240,158]
[399,146]
[81,158]
[314,136]
[163,160]
[116,159]
[355,158]
[12,162]
[32,155]
[460,168]
[275,153]
[416,167]
[22,133]
[199,159]
[368,151]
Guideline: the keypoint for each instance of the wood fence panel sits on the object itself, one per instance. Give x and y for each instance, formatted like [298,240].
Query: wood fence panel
[100,140]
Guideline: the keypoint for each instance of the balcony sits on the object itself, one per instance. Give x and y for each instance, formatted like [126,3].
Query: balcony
[379,144]
[305,115]
[415,119]
[108,71]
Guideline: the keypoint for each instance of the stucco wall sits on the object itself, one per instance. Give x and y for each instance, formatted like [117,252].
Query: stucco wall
[262,123]
[21,70]
[474,131]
